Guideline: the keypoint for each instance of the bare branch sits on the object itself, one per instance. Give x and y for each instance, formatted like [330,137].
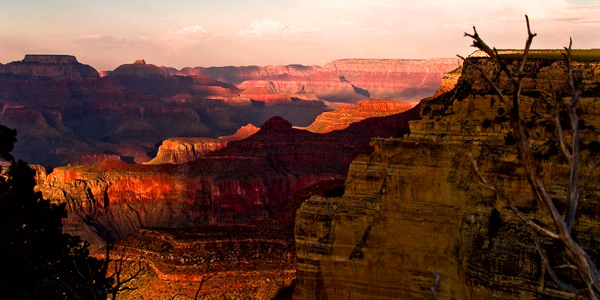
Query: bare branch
[68,287]
[530,37]
[550,269]
[573,191]
[496,88]
[204,278]
[580,259]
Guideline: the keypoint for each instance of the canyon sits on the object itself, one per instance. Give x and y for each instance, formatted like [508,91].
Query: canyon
[53,101]
[259,180]
[344,80]
[376,209]
[250,178]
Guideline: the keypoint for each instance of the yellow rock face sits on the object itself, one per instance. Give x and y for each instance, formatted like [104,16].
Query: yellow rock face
[413,208]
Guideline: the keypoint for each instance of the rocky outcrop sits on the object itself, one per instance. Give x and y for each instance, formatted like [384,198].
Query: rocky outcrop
[54,67]
[63,120]
[182,150]
[413,207]
[348,114]
[449,81]
[236,75]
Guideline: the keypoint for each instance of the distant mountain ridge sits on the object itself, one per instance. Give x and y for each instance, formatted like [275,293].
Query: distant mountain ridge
[343,80]
[66,112]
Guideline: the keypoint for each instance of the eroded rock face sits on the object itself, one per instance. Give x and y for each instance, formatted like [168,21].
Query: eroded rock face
[348,114]
[413,206]
[54,67]
[344,80]
[249,178]
[254,260]
[250,260]
[65,113]
[53,101]
[182,150]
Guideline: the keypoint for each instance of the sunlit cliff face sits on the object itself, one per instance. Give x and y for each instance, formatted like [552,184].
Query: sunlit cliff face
[348,114]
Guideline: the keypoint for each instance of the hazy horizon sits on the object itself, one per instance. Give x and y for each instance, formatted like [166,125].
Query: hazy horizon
[310,32]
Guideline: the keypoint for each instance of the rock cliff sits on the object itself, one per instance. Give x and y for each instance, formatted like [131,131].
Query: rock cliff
[344,80]
[250,178]
[413,207]
[348,114]
[182,150]
[54,67]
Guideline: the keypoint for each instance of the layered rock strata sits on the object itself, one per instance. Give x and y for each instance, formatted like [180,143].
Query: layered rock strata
[248,260]
[53,101]
[413,208]
[250,178]
[65,113]
[252,261]
[182,150]
[344,80]
[348,114]
[55,67]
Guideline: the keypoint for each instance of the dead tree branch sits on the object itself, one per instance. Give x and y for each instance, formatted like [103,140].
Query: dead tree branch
[562,225]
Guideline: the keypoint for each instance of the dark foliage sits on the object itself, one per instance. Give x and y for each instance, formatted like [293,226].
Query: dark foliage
[38,260]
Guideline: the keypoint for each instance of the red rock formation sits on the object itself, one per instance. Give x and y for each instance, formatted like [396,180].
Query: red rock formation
[63,109]
[345,80]
[236,75]
[253,177]
[254,259]
[348,114]
[182,150]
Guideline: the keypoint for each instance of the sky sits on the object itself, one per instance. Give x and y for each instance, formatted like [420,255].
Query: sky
[177,33]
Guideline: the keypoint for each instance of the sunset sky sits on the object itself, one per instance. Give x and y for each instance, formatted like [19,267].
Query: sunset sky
[175,33]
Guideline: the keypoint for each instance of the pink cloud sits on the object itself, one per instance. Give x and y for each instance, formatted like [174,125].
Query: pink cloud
[272,28]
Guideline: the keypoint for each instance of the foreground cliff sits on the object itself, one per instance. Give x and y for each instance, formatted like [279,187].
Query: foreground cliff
[413,209]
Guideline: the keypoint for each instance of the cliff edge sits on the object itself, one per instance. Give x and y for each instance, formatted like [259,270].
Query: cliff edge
[413,208]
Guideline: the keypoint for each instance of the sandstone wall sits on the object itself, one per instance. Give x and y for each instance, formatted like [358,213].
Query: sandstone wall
[413,207]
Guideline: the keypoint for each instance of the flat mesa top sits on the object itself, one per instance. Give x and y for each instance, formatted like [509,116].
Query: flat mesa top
[582,55]
[49,58]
